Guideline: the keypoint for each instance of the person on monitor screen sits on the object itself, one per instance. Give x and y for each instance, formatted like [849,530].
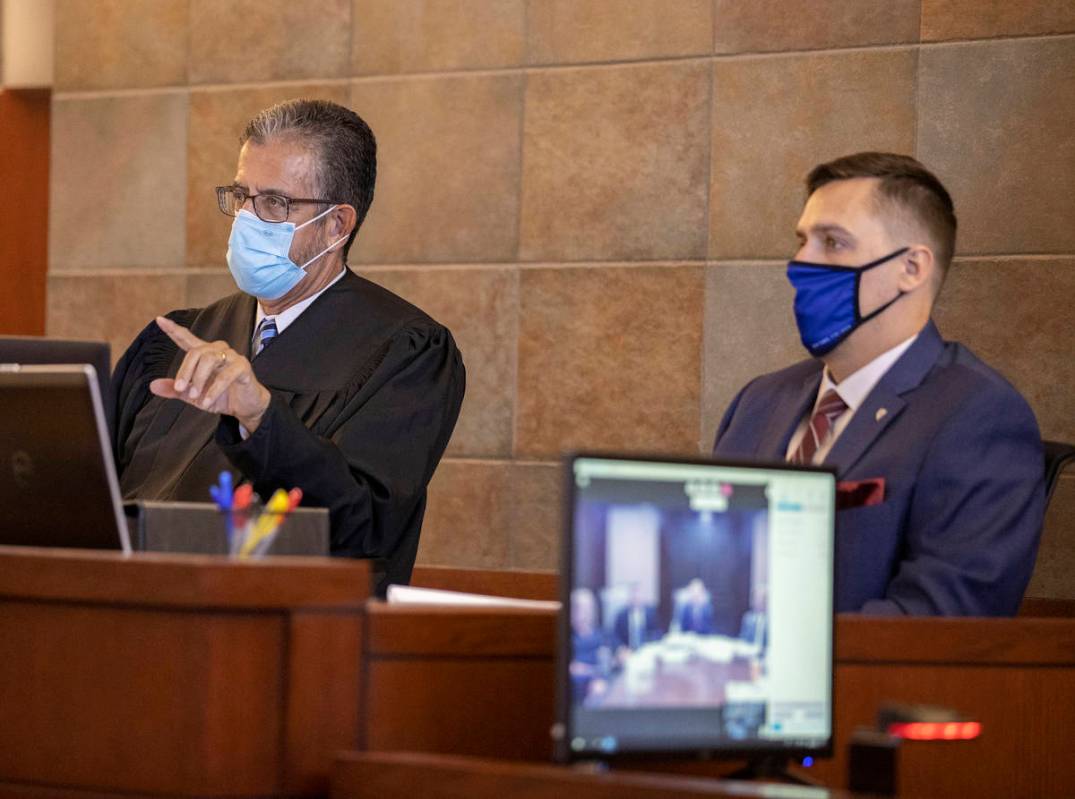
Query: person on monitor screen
[309,376]
[635,624]
[940,504]
[590,653]
[695,614]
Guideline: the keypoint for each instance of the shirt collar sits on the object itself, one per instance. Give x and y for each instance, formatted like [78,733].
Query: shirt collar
[854,388]
[289,315]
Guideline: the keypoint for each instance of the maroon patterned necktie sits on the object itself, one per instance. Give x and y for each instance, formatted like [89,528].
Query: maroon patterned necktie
[830,407]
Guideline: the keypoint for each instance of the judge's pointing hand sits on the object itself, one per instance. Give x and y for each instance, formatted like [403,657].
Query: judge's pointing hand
[214,378]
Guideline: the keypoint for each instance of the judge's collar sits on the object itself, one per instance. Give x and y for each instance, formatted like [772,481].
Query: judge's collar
[291,313]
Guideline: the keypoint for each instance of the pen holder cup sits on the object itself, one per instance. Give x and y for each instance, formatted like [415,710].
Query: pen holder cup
[202,528]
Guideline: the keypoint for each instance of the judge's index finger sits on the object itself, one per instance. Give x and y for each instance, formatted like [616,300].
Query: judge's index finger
[179,334]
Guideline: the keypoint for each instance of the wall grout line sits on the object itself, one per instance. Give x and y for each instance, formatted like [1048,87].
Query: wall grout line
[134,271]
[489,460]
[74,94]
[704,366]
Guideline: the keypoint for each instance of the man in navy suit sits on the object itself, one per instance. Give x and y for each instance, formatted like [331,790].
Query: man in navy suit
[695,615]
[635,624]
[941,496]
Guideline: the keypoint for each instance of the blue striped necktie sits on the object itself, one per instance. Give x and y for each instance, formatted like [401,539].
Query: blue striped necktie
[264,335]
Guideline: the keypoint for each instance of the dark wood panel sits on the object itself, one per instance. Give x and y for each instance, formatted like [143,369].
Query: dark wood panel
[323,696]
[1047,607]
[1027,641]
[1014,675]
[1027,727]
[24,167]
[405,776]
[495,707]
[514,584]
[190,581]
[396,630]
[140,700]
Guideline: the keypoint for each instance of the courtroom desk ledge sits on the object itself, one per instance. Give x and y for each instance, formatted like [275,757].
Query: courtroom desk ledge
[180,580]
[934,640]
[468,631]
[510,583]
[405,775]
[1047,607]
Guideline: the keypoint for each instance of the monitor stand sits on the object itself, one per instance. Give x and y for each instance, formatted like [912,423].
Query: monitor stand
[770,768]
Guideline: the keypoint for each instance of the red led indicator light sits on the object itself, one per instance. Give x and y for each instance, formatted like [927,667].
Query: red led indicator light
[936,731]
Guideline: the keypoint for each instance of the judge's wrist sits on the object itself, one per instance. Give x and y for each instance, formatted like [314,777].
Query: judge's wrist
[251,422]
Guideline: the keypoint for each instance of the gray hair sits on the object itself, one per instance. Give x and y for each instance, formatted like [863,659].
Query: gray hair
[344,148]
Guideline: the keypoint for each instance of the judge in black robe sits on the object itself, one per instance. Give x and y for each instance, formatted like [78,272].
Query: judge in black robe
[366,389]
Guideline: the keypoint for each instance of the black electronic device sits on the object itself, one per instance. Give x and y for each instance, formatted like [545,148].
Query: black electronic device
[58,485]
[39,350]
[697,610]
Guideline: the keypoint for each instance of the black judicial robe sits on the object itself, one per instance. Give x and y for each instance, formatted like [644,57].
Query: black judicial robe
[366,390]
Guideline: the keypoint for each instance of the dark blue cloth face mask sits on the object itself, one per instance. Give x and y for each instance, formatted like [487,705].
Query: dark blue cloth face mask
[827,301]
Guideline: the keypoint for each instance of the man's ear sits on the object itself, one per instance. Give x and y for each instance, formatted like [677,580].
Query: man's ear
[341,221]
[919,266]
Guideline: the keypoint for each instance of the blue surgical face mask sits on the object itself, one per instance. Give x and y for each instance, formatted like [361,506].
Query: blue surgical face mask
[258,255]
[827,301]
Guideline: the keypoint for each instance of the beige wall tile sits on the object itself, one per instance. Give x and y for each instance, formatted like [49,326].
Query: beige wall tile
[480,307]
[494,514]
[1054,572]
[769,25]
[537,499]
[609,358]
[774,118]
[749,330]
[448,168]
[995,123]
[112,308]
[980,19]
[118,181]
[1016,316]
[430,35]
[217,118]
[614,163]
[106,44]
[468,519]
[205,289]
[566,31]
[266,40]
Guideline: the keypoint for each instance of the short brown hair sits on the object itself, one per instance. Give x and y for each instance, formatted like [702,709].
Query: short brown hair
[905,184]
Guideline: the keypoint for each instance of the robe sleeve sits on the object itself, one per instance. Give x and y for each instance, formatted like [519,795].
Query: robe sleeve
[372,467]
[149,357]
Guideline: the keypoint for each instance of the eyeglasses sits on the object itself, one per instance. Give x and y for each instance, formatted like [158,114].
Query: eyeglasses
[268,207]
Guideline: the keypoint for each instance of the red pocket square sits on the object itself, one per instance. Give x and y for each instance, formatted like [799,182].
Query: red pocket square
[860,493]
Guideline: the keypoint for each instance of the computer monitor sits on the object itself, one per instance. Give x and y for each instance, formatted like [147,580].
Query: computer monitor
[698,609]
[39,350]
[58,485]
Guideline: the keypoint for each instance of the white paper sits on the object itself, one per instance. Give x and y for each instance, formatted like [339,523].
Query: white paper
[409,595]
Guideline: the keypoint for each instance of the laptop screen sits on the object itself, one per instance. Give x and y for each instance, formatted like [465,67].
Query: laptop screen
[698,604]
[58,483]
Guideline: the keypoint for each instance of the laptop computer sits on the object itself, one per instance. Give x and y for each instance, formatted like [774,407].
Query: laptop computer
[698,609]
[40,350]
[58,485]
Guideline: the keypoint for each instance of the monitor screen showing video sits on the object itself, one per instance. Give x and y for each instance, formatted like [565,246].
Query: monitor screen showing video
[698,604]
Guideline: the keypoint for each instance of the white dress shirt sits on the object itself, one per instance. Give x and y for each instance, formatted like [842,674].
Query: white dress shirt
[283,319]
[286,317]
[853,390]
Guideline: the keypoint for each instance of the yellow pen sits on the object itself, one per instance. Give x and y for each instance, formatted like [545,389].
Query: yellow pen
[267,522]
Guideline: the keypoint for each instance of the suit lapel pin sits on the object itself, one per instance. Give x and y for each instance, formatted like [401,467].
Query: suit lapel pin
[881,414]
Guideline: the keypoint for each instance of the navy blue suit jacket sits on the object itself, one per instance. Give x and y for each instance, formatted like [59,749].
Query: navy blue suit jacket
[685,618]
[960,452]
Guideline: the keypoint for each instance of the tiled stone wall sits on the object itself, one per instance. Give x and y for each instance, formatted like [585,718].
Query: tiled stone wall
[595,195]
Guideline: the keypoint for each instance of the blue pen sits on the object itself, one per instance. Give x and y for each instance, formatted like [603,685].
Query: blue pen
[222,494]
